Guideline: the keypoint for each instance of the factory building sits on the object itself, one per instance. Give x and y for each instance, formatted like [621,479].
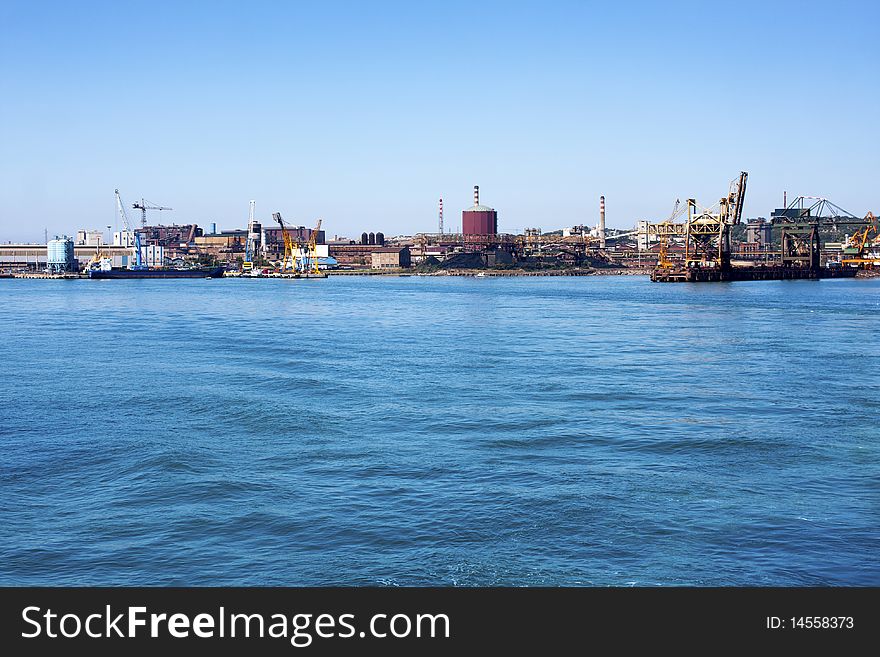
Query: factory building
[479,220]
[758,231]
[86,237]
[352,255]
[273,240]
[225,246]
[153,255]
[34,257]
[391,257]
[123,238]
[170,236]
[176,241]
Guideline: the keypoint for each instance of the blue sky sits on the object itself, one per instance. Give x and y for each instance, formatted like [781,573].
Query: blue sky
[365,114]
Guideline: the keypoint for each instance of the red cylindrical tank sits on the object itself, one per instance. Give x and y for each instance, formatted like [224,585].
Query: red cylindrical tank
[479,222]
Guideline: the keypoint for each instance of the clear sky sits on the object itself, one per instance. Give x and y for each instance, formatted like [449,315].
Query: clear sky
[366,113]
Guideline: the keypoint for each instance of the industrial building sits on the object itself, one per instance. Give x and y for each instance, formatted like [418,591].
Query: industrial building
[390,257]
[34,257]
[272,239]
[224,246]
[352,255]
[89,237]
[758,231]
[170,236]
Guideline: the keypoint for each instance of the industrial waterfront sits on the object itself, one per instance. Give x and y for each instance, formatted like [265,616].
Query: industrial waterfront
[432,430]
[695,243]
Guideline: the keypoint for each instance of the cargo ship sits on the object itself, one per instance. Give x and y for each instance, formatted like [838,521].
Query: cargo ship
[748,273]
[197,272]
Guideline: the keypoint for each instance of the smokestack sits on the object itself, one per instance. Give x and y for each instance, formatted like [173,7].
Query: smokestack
[601,222]
[476,195]
[784,199]
[441,216]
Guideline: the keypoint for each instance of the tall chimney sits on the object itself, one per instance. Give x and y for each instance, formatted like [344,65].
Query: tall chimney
[476,195]
[601,222]
[441,216]
[784,199]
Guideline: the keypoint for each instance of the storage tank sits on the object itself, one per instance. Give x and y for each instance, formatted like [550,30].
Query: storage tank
[365,238]
[480,219]
[372,238]
[60,255]
[380,239]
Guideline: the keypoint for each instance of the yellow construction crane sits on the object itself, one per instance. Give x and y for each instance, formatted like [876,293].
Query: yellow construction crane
[96,259]
[290,247]
[859,243]
[663,231]
[313,250]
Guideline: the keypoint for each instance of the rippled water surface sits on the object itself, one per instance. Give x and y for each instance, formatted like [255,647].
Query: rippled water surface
[449,431]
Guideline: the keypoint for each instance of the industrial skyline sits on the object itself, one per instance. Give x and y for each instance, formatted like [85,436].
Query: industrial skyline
[369,115]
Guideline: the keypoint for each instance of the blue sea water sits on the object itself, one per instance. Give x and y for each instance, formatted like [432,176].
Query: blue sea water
[439,431]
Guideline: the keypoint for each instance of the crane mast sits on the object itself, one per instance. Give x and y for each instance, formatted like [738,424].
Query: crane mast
[289,246]
[143,206]
[248,262]
[313,249]
[128,229]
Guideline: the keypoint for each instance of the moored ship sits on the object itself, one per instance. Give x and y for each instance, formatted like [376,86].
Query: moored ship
[197,272]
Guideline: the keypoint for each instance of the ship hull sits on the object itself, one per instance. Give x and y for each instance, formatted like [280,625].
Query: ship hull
[750,273]
[213,272]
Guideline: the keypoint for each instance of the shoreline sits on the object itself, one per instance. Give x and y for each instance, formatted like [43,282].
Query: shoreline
[495,273]
[481,273]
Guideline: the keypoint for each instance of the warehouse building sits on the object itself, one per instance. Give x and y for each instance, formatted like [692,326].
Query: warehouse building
[391,257]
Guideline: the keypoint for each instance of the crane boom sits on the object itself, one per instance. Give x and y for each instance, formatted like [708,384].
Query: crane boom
[289,246]
[128,229]
[121,207]
[313,249]
[143,206]
[857,247]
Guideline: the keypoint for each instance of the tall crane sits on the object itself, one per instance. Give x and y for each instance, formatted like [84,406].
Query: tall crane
[663,260]
[128,229]
[313,250]
[732,206]
[143,206]
[290,247]
[856,250]
[248,262]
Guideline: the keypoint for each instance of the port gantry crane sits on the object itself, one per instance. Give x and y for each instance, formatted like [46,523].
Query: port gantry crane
[801,222]
[290,247]
[708,233]
[663,232]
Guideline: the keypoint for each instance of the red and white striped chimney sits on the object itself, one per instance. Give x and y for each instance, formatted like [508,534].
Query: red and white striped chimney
[441,216]
[476,195]
[601,222]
